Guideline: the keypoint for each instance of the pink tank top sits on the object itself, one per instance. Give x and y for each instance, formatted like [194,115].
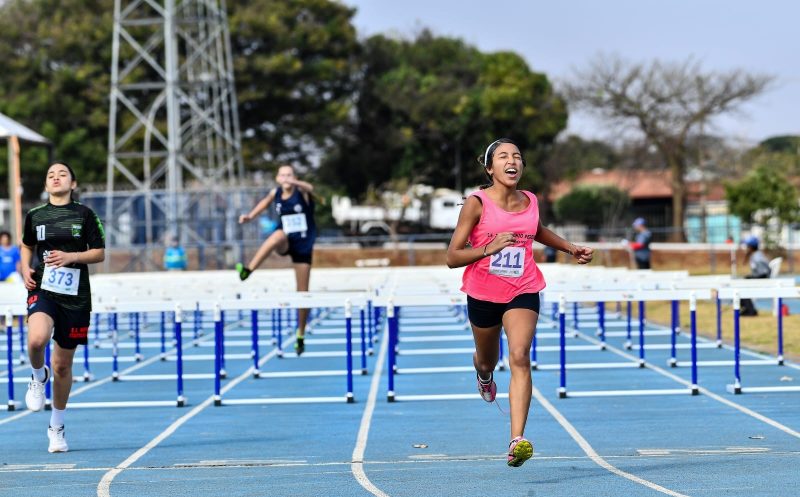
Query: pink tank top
[511,272]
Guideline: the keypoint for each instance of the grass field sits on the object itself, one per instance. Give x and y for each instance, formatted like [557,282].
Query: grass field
[757,332]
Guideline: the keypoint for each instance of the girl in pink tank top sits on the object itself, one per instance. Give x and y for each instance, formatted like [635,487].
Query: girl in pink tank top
[494,240]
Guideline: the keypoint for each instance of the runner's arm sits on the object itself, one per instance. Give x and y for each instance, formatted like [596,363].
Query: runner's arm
[258,209]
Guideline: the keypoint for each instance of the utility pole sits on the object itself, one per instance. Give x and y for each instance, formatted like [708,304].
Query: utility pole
[173,119]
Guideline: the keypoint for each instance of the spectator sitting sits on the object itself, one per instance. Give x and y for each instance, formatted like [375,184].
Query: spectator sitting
[759,268]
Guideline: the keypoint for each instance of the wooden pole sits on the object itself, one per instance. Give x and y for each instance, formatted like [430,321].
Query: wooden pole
[15,189]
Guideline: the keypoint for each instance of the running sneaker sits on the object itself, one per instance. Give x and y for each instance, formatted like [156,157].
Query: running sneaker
[519,451]
[34,398]
[488,390]
[243,271]
[299,344]
[58,443]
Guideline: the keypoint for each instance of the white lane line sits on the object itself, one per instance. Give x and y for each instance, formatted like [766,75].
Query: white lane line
[413,460]
[104,487]
[704,391]
[90,386]
[594,456]
[357,466]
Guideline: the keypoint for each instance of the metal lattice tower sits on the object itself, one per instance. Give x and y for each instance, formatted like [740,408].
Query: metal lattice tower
[173,118]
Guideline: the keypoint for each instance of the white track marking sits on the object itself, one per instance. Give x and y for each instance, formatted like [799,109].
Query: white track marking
[594,456]
[104,487]
[357,466]
[90,386]
[704,391]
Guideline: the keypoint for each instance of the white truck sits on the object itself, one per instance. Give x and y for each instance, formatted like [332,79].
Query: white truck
[422,209]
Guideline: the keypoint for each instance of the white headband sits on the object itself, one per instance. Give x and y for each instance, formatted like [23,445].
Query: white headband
[486,154]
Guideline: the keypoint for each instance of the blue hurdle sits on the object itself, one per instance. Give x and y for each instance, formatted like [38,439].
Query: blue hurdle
[294,302]
[736,294]
[641,296]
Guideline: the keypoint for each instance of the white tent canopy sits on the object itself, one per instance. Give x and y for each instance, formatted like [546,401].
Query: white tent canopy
[10,127]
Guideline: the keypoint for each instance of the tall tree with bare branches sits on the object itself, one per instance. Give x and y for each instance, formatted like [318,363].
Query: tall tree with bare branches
[666,101]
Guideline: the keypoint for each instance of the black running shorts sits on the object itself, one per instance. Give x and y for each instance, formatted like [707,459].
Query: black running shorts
[485,314]
[298,257]
[71,326]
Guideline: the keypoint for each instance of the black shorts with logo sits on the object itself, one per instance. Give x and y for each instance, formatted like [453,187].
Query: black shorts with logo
[298,257]
[71,326]
[484,314]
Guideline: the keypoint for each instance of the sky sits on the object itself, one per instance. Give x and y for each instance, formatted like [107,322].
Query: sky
[557,38]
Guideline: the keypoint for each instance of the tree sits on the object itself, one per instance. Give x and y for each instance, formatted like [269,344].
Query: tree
[426,107]
[666,102]
[764,195]
[55,79]
[294,68]
[786,143]
[595,206]
[294,64]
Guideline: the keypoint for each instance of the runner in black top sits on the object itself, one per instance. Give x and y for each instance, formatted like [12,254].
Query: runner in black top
[295,235]
[66,237]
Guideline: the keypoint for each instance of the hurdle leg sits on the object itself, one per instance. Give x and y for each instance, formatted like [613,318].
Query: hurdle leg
[218,356]
[222,346]
[198,318]
[562,342]
[780,331]
[719,322]
[737,384]
[181,400]
[163,336]
[279,333]
[48,389]
[628,344]
[641,333]
[10,361]
[575,321]
[348,326]
[673,359]
[87,375]
[501,362]
[693,320]
[114,349]
[97,331]
[139,355]
[362,322]
[392,323]
[376,336]
[274,327]
[21,327]
[371,326]
[254,334]
[601,330]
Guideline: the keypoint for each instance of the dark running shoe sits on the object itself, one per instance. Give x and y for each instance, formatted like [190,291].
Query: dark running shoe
[244,273]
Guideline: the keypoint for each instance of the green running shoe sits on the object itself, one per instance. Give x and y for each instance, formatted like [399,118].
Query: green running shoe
[299,344]
[244,273]
[519,451]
